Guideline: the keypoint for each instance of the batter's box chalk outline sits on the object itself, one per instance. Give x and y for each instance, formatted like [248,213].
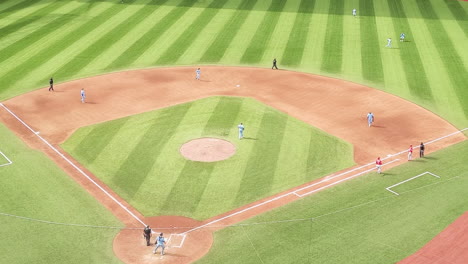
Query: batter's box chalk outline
[176,240]
[9,160]
[410,179]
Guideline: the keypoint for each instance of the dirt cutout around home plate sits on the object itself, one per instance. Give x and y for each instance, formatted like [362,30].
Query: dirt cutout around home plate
[335,106]
[207,149]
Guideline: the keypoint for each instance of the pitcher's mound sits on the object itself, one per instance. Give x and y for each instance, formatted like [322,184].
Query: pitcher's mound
[208,149]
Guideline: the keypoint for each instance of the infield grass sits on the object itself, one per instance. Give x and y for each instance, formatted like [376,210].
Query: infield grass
[33,187]
[355,222]
[139,156]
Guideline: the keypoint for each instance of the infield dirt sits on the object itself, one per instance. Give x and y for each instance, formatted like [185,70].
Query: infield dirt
[335,106]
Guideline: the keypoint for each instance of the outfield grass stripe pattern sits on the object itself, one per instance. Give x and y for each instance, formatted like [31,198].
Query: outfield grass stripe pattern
[256,49]
[409,54]
[451,59]
[40,33]
[50,51]
[293,53]
[31,18]
[332,59]
[218,47]
[104,42]
[152,36]
[371,60]
[459,13]
[178,48]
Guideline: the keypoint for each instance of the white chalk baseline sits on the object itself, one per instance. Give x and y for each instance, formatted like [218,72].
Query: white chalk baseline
[9,162]
[410,179]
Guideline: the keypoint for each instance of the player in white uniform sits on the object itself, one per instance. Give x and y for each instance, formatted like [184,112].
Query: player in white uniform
[83,96]
[198,72]
[354,12]
[389,43]
[241,130]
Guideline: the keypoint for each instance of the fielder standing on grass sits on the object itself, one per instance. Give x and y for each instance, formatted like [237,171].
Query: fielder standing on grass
[354,12]
[378,164]
[241,130]
[389,43]
[160,243]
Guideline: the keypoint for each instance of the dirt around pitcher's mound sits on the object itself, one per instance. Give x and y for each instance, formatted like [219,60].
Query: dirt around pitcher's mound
[208,149]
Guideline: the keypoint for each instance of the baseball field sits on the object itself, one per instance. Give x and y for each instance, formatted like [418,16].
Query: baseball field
[79,180]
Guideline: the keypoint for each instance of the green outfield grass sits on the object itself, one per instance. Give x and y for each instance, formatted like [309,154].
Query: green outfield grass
[355,222]
[33,187]
[139,157]
[73,39]
[70,39]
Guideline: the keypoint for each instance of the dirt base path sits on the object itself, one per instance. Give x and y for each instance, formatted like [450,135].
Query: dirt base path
[333,105]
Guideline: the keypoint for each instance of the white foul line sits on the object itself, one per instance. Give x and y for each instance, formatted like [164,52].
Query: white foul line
[73,165]
[342,180]
[293,192]
[407,180]
[9,161]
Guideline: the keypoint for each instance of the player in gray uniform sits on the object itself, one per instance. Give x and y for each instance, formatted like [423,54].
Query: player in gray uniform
[241,130]
[370,118]
[83,95]
[160,243]
[198,72]
[389,43]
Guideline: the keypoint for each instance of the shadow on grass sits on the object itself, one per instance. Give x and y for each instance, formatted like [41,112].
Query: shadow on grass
[250,138]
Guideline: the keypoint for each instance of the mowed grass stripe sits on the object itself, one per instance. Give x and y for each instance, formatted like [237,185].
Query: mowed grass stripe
[258,45]
[293,53]
[257,179]
[90,142]
[97,47]
[215,200]
[224,116]
[141,159]
[459,13]
[167,169]
[177,49]
[193,179]
[332,54]
[452,60]
[371,61]
[218,47]
[195,176]
[12,6]
[48,52]
[313,50]
[147,40]
[55,24]
[409,55]
[34,17]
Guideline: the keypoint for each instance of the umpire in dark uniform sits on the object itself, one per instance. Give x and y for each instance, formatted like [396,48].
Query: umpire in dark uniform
[274,64]
[51,82]
[147,234]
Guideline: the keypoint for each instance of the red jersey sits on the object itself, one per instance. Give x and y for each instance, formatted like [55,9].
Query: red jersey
[410,149]
[378,162]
